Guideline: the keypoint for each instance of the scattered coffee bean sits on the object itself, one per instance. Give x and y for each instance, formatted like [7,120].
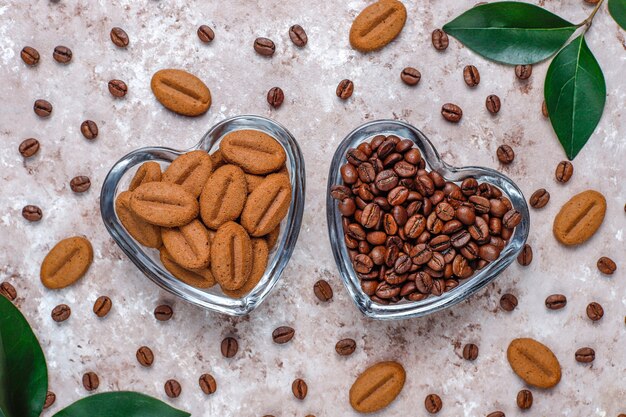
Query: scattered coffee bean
[119,37]
[524,399]
[539,198]
[298,35]
[523,72]
[42,108]
[229,347]
[323,291]
[30,56]
[440,39]
[345,89]
[206,34]
[89,129]
[410,76]
[433,403]
[80,184]
[585,355]
[525,257]
[163,312]
[592,1]
[264,46]
[511,219]
[29,147]
[451,112]
[299,389]
[471,76]
[345,347]
[564,171]
[102,306]
[144,356]
[556,301]
[470,352]
[505,154]
[91,382]
[493,104]
[606,265]
[8,291]
[544,109]
[275,97]
[595,311]
[118,88]
[508,302]
[172,388]
[207,384]
[32,213]
[62,54]
[283,334]
[496,414]
[61,313]
[50,399]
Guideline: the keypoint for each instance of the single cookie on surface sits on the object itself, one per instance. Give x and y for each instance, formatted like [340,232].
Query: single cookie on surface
[579,218]
[148,172]
[267,205]
[190,170]
[181,92]
[377,387]
[188,245]
[254,151]
[143,232]
[224,196]
[199,278]
[377,25]
[534,363]
[66,263]
[231,256]
[260,255]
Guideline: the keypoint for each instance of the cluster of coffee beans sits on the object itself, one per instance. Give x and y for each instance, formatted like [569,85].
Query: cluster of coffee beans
[409,232]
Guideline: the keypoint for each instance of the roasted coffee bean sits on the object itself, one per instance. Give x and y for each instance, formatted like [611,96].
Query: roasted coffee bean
[479,231]
[30,56]
[144,356]
[206,34]
[524,399]
[539,198]
[347,207]
[356,156]
[508,302]
[505,154]
[298,36]
[357,232]
[29,147]
[386,180]
[264,46]
[172,388]
[413,156]
[80,184]
[299,389]
[496,414]
[340,192]
[606,265]
[433,403]
[585,355]
[345,89]
[595,311]
[444,211]
[345,347]
[62,54]
[398,196]
[544,109]
[119,37]
[481,204]
[91,382]
[511,219]
[470,352]
[461,267]
[451,112]
[404,169]
[50,399]
[440,243]
[471,251]
[469,186]
[414,226]
[402,264]
[61,313]
[8,291]
[42,108]
[466,215]
[366,172]
[229,347]
[471,76]
[523,72]
[461,238]
[275,97]
[363,264]
[323,290]
[163,312]
[439,39]
[488,252]
[386,291]
[89,129]
[102,306]
[207,384]
[525,257]
[118,88]
[564,171]
[493,103]
[556,301]
[410,76]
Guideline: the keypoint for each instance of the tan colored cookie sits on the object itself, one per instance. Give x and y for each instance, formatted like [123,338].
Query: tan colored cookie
[223,197]
[217,159]
[534,363]
[143,232]
[231,256]
[181,92]
[199,278]
[253,181]
[164,204]
[190,170]
[260,255]
[267,205]
[377,25]
[148,172]
[66,262]
[272,237]
[255,152]
[188,245]
[377,387]
[579,218]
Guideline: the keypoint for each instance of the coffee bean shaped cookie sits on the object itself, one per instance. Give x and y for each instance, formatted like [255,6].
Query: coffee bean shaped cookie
[188,245]
[148,172]
[267,205]
[253,181]
[217,159]
[164,204]
[260,254]
[534,363]
[377,387]
[272,237]
[143,232]
[231,256]
[377,25]
[223,197]
[199,278]
[66,262]
[190,170]
[579,218]
[181,92]
[255,152]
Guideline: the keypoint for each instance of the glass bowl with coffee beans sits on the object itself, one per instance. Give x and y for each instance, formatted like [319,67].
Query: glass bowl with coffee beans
[215,224]
[410,234]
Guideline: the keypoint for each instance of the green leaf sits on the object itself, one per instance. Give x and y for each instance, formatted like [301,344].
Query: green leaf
[511,32]
[120,404]
[618,11]
[575,93]
[23,371]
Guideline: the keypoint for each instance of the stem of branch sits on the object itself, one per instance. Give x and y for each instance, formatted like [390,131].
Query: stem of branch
[587,22]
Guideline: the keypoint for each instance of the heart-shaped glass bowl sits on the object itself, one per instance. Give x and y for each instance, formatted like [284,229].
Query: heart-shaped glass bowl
[467,287]
[147,260]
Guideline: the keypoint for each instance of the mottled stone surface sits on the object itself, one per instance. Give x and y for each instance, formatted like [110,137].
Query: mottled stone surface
[258,380]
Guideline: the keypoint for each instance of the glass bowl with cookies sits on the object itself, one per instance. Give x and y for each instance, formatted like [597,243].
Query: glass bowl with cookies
[410,234]
[215,224]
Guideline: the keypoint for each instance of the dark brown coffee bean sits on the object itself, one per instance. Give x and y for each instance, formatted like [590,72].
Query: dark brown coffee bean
[144,356]
[102,306]
[29,147]
[118,88]
[505,154]
[511,219]
[470,352]
[556,301]
[444,211]
[439,39]
[345,89]
[80,184]
[595,311]
[264,46]
[479,231]
[524,399]
[323,291]
[91,382]
[544,109]
[466,215]
[525,257]
[298,36]
[585,355]
[493,103]
[471,75]
[206,34]
[229,347]
[386,180]
[42,108]
[275,97]
[539,198]
[62,54]
[481,204]
[523,72]
[606,265]
[207,384]
[172,388]
[488,252]
[440,243]
[8,291]
[433,403]
[30,56]
[508,302]
[345,347]
[50,399]
[299,389]
[451,112]
[89,129]
[410,76]
[283,334]
[496,414]
[163,312]
[564,171]
[119,37]
[340,192]
[61,313]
